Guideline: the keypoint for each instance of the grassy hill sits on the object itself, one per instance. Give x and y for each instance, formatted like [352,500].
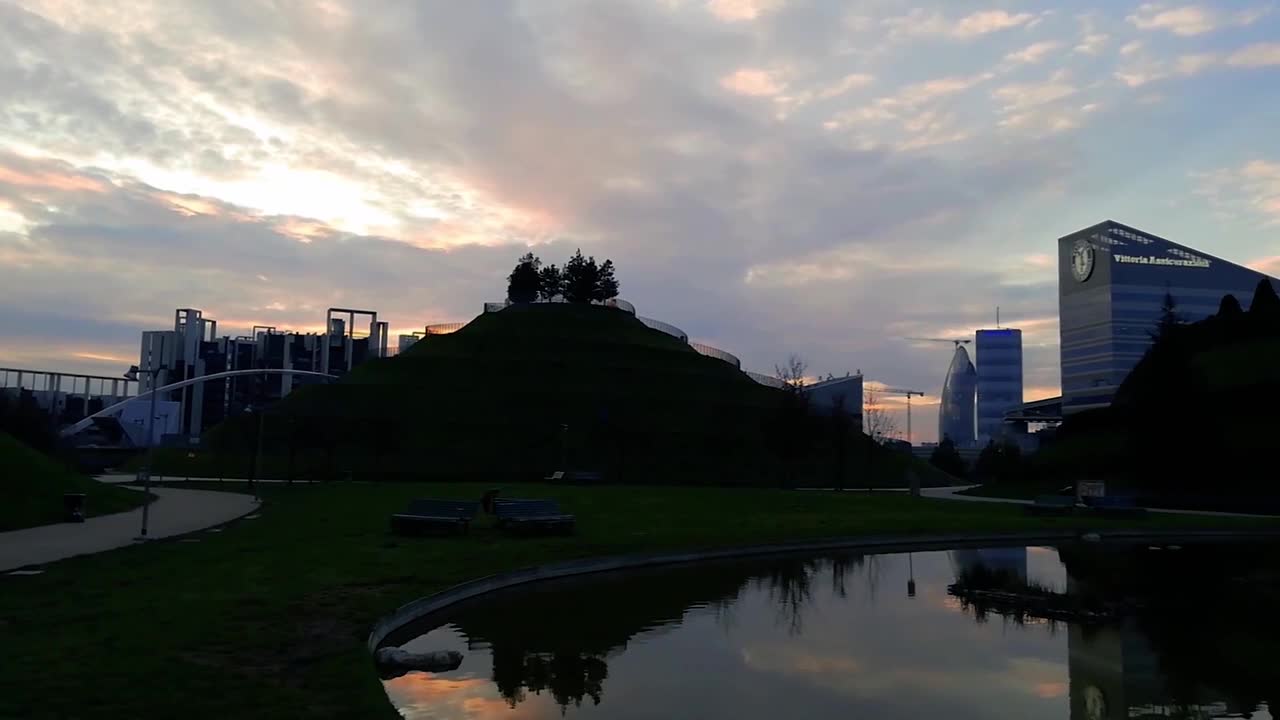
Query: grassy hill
[517,394]
[32,487]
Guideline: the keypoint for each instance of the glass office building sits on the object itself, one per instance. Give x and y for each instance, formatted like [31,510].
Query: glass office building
[955,414]
[999,356]
[1112,281]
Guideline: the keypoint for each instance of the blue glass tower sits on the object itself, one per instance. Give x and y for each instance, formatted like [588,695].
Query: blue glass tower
[999,355]
[955,414]
[1112,282]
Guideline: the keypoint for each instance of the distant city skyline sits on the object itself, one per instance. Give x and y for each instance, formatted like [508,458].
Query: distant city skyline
[816,177]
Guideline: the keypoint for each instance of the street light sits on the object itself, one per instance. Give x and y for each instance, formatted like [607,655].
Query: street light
[911,577]
[152,373]
[257,451]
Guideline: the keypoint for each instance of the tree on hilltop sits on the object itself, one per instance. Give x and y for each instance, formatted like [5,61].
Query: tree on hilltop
[606,283]
[524,283]
[581,276]
[551,283]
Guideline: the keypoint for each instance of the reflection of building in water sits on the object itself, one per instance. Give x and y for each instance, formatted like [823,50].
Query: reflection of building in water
[1112,669]
[1010,560]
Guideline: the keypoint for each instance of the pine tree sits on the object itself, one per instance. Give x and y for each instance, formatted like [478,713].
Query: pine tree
[1170,318]
[1266,304]
[550,283]
[523,284]
[606,283]
[580,278]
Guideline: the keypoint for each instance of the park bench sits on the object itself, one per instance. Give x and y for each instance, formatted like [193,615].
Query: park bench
[431,514]
[1114,506]
[532,515]
[1052,505]
[583,477]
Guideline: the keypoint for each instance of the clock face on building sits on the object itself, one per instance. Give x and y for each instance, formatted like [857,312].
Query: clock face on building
[1095,703]
[1082,260]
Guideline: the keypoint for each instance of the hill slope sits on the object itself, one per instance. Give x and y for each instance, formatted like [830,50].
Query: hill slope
[32,487]
[517,394]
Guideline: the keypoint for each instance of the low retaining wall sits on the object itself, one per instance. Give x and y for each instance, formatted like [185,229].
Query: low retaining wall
[432,604]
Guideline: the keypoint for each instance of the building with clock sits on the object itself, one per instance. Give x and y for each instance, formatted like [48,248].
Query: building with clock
[1112,283]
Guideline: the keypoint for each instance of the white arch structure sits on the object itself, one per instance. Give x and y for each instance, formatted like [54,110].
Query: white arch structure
[85,423]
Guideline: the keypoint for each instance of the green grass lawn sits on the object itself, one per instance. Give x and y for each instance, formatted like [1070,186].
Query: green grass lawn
[32,485]
[268,618]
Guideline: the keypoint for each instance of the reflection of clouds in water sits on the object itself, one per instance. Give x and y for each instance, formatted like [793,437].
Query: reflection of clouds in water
[767,639]
[424,695]
[872,671]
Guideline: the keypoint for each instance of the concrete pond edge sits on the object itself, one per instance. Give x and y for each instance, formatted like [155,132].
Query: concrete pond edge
[433,604]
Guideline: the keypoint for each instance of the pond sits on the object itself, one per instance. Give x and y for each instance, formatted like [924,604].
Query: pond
[1083,632]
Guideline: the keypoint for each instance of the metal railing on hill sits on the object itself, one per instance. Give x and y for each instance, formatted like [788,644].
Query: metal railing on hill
[717,353]
[445,328]
[667,328]
[765,379]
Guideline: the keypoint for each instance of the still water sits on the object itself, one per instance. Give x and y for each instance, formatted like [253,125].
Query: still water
[1189,633]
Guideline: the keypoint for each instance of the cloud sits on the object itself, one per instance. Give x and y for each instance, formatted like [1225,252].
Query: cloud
[1022,96]
[1268,265]
[921,22]
[852,81]
[1092,43]
[1192,64]
[1034,53]
[752,82]
[1258,55]
[981,23]
[740,10]
[1252,188]
[1190,20]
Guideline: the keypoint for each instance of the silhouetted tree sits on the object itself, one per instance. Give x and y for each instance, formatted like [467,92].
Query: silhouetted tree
[946,458]
[22,417]
[1266,304]
[1169,319]
[523,284]
[1229,307]
[606,283]
[581,277]
[999,462]
[791,421]
[876,421]
[793,374]
[550,283]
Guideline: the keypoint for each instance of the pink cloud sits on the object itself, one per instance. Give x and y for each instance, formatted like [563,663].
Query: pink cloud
[49,180]
[752,82]
[1268,265]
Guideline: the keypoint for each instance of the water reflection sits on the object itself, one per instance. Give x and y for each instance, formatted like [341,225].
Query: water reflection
[839,636]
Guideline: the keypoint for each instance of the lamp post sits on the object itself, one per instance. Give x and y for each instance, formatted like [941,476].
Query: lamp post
[145,473]
[257,451]
[911,577]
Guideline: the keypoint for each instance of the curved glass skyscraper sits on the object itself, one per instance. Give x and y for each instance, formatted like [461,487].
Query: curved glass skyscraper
[955,414]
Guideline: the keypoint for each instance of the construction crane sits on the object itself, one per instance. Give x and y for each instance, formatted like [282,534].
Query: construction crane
[957,341]
[908,394]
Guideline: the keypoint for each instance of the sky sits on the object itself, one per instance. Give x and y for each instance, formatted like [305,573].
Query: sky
[820,178]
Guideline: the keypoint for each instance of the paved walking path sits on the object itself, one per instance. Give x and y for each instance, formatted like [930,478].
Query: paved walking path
[173,512]
[952,493]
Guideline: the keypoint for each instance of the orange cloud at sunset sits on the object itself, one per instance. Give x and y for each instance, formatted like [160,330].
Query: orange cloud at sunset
[1268,265]
[50,180]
